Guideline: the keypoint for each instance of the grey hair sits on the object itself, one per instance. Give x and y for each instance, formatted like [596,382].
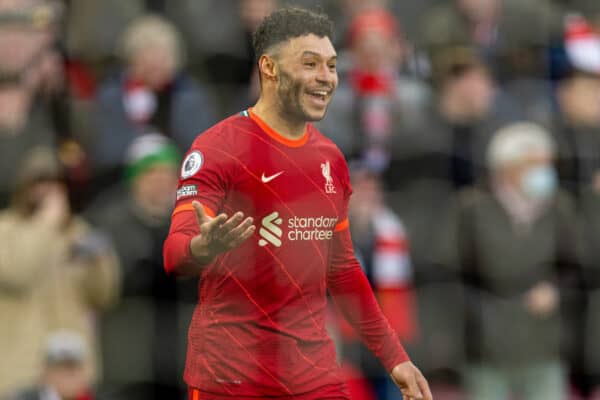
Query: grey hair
[512,143]
[151,30]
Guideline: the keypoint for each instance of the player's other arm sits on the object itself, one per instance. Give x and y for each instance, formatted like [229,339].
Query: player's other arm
[194,241]
[353,295]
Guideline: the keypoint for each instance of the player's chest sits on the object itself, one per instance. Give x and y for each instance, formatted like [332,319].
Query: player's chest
[295,183]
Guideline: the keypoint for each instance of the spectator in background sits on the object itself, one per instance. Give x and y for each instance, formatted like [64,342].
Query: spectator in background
[228,66]
[578,124]
[381,245]
[499,29]
[219,36]
[64,376]
[445,153]
[515,244]
[221,48]
[92,48]
[578,97]
[470,105]
[374,103]
[30,83]
[241,70]
[150,89]
[55,271]
[466,22]
[145,362]
[589,202]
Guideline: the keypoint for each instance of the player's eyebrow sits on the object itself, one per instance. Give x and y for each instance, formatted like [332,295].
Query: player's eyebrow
[315,54]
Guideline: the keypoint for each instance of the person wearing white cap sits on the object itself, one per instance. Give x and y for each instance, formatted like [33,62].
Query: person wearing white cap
[516,248]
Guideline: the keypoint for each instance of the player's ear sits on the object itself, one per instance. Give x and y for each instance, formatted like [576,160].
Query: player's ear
[267,67]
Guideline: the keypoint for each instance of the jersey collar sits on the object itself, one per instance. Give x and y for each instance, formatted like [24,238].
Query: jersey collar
[276,135]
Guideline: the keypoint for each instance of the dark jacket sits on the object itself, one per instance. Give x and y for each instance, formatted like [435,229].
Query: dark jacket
[499,264]
[184,111]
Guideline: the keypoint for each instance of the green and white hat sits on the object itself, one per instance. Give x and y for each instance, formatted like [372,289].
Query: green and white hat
[147,151]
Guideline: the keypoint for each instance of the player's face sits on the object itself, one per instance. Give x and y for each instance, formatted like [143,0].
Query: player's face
[307,77]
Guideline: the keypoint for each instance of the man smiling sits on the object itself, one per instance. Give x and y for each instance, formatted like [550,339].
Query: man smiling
[259,328]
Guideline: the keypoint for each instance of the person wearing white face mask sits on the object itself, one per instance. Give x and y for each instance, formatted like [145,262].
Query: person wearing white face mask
[539,182]
[515,245]
[524,180]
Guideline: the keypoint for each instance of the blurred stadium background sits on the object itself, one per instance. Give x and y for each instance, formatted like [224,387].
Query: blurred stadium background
[484,251]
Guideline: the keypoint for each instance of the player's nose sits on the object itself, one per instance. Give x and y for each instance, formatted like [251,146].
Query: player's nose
[326,75]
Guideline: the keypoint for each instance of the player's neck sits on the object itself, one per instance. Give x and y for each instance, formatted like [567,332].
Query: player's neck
[270,114]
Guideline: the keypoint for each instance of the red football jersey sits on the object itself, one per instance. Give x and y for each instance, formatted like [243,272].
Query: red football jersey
[259,326]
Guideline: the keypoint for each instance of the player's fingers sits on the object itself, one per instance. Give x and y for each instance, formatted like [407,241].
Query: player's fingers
[249,231]
[238,230]
[424,386]
[412,391]
[210,226]
[199,212]
[225,229]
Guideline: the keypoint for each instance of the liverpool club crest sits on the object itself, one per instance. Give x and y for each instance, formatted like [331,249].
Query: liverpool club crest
[326,170]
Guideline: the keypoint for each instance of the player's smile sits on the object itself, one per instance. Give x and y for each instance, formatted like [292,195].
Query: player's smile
[320,98]
[315,102]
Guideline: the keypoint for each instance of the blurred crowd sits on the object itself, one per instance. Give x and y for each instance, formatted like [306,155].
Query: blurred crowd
[472,130]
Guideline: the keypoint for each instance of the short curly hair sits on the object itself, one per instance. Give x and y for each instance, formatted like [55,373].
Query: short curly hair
[289,23]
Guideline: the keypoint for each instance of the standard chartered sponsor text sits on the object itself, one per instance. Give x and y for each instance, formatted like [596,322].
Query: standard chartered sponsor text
[298,228]
[311,228]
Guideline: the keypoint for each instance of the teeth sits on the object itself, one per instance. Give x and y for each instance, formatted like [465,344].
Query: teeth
[321,93]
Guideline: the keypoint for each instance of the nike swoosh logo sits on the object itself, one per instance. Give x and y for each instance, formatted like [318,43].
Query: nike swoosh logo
[267,179]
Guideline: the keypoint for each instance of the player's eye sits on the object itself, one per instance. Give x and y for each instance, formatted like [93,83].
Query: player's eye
[310,64]
[332,67]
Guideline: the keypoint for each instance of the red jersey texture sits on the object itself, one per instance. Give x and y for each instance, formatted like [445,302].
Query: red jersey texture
[259,326]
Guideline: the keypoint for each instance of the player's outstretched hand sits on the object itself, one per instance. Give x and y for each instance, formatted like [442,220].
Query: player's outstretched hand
[411,382]
[218,234]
